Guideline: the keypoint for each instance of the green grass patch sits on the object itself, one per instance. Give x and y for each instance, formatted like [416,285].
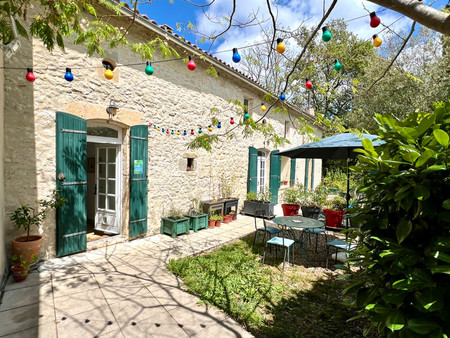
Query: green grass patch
[298,301]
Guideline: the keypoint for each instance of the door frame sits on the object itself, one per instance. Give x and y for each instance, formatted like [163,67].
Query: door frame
[119,163]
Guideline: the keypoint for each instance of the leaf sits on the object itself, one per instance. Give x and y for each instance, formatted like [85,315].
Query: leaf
[424,157]
[446,204]
[410,156]
[422,326]
[442,137]
[441,269]
[403,230]
[421,192]
[367,144]
[395,322]
[435,167]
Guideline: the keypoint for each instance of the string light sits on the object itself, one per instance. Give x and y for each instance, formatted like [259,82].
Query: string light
[231,121]
[191,64]
[163,130]
[280,46]
[185,133]
[236,57]
[326,35]
[337,65]
[282,97]
[167,131]
[149,68]
[219,125]
[246,115]
[200,130]
[210,128]
[263,107]
[377,41]
[172,132]
[68,76]
[308,84]
[108,72]
[178,132]
[192,131]
[30,76]
[374,20]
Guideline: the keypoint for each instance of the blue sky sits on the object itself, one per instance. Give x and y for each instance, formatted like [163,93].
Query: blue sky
[289,13]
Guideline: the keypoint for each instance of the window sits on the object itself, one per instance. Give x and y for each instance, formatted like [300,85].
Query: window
[102,132]
[190,164]
[261,178]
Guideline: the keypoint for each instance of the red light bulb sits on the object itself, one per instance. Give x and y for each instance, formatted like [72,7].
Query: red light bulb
[191,64]
[308,84]
[231,121]
[192,131]
[374,20]
[167,131]
[30,76]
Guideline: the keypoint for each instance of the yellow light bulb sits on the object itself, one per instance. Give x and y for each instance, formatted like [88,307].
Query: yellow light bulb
[280,46]
[109,74]
[210,129]
[377,41]
[263,107]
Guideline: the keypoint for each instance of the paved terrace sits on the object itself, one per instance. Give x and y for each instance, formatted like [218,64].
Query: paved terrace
[122,290]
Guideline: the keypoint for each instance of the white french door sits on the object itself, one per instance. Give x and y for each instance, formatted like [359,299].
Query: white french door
[107,201]
[261,177]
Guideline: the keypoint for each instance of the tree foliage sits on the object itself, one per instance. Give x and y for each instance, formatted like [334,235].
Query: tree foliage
[403,285]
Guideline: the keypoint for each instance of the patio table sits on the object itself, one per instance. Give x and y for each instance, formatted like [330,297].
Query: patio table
[298,222]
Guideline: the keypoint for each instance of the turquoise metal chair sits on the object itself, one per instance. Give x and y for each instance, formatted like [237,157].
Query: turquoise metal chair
[279,241]
[316,232]
[267,230]
[342,246]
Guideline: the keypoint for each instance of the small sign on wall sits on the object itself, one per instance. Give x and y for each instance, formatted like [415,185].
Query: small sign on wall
[138,166]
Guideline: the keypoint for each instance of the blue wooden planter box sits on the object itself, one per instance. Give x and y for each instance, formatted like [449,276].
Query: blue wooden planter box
[198,222]
[175,227]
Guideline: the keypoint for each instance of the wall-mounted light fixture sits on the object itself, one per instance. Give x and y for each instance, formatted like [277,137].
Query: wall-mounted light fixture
[112,109]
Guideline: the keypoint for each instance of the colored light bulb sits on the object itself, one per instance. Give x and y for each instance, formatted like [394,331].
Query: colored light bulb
[172,132]
[167,131]
[246,115]
[178,132]
[30,76]
[210,128]
[282,97]
[219,125]
[162,130]
[326,35]
[154,127]
[149,124]
[263,107]
[185,133]
[236,57]
[149,68]
[337,65]
[374,20]
[191,64]
[157,129]
[376,41]
[231,121]
[199,130]
[192,131]
[308,84]
[68,76]
[280,46]
[109,73]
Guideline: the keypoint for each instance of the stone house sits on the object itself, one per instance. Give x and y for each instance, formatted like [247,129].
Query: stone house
[120,173]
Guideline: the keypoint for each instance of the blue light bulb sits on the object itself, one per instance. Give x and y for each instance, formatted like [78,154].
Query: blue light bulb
[219,125]
[185,133]
[163,130]
[236,56]
[282,97]
[68,76]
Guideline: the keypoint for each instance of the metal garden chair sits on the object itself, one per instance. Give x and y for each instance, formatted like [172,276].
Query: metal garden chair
[279,241]
[267,230]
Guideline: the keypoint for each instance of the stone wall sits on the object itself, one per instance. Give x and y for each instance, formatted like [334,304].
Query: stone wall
[3,256]
[173,98]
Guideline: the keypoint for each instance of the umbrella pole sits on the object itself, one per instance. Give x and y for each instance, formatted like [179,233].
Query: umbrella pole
[348,189]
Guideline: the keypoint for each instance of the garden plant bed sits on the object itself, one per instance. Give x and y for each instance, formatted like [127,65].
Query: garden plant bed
[299,301]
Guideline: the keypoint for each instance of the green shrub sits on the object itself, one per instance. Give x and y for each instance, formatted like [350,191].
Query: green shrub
[262,196]
[295,194]
[403,285]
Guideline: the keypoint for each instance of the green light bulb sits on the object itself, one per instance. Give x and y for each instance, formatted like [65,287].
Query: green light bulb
[149,68]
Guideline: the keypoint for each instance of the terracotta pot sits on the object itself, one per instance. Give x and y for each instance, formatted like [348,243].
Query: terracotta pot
[218,223]
[20,246]
[211,223]
[290,209]
[227,218]
[19,273]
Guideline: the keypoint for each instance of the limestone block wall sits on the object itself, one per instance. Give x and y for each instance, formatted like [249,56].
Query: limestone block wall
[3,256]
[173,98]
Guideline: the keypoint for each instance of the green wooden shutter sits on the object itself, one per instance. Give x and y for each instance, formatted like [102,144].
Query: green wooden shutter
[252,179]
[275,173]
[71,181]
[138,180]
[293,171]
[312,174]
[306,174]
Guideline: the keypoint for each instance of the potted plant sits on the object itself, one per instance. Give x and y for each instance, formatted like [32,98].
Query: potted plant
[175,223]
[312,202]
[258,201]
[335,214]
[291,197]
[233,215]
[217,219]
[24,218]
[227,218]
[197,219]
[21,266]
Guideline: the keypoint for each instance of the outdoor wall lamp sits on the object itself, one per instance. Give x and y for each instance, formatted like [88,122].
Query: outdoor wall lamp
[112,109]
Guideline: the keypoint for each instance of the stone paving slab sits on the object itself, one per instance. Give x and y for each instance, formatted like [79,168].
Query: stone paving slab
[122,290]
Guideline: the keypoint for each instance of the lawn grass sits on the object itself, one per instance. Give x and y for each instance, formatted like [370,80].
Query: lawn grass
[298,301]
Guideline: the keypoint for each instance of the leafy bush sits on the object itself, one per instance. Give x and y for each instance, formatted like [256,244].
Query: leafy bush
[262,196]
[295,194]
[403,285]
[337,179]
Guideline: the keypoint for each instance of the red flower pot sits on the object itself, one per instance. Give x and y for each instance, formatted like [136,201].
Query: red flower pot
[218,223]
[290,209]
[211,223]
[334,218]
[227,218]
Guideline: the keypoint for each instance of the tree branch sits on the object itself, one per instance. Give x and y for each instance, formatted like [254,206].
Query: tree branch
[423,14]
[395,57]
